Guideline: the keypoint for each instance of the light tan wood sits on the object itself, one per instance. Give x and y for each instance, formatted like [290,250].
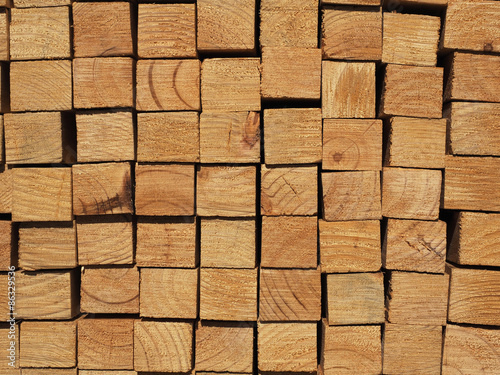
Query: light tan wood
[4,36]
[6,3]
[356,298]
[5,310]
[163,346]
[279,349]
[351,195]
[106,344]
[110,290]
[350,34]
[6,337]
[168,137]
[224,347]
[6,243]
[352,144]
[41,194]
[102,29]
[40,86]
[228,294]
[228,243]
[103,82]
[411,193]
[65,371]
[349,246]
[5,189]
[40,3]
[351,2]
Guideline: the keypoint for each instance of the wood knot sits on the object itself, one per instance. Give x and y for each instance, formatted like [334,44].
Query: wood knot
[488,47]
[337,157]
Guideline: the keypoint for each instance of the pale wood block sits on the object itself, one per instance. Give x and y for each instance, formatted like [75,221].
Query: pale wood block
[102,372]
[228,294]
[40,86]
[40,3]
[106,344]
[9,340]
[109,290]
[291,73]
[7,306]
[4,35]
[224,347]
[228,243]
[100,189]
[105,240]
[289,190]
[166,30]
[168,137]
[230,137]
[401,96]
[351,2]
[41,194]
[47,295]
[350,34]
[351,350]
[6,3]
[49,246]
[472,183]
[105,136]
[412,349]
[476,239]
[103,82]
[411,193]
[292,135]
[289,242]
[166,243]
[355,298]
[178,300]
[226,191]
[474,296]
[164,189]
[7,241]
[168,85]
[5,189]
[226,26]
[281,350]
[230,84]
[163,346]
[102,29]
[471,350]
[37,351]
[59,371]
[351,195]
[352,144]
[413,245]
[416,143]
[349,246]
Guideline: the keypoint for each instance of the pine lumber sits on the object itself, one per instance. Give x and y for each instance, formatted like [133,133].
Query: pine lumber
[230,137]
[291,73]
[166,243]
[476,239]
[352,144]
[289,242]
[226,191]
[40,33]
[226,26]
[4,35]
[7,245]
[41,194]
[6,3]
[409,193]
[40,3]
[412,349]
[47,246]
[168,137]
[5,342]
[351,195]
[110,290]
[349,246]
[102,29]
[474,296]
[106,344]
[177,301]
[5,307]
[351,2]
[280,350]
[351,349]
[471,350]
[351,34]
[104,136]
[61,371]
[4,87]
[37,351]
[5,189]
[103,82]
[224,347]
[40,85]
[105,240]
[100,372]
[230,84]
[228,294]
[227,243]
[416,143]
[288,23]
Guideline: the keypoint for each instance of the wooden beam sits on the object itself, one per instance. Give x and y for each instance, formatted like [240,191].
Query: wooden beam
[4,35]
[8,335]
[61,371]
[40,3]
[99,372]
[5,189]
[7,243]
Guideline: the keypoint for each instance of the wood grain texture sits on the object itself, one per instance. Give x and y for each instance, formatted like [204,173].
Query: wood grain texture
[6,176]
[5,342]
[7,240]
[40,3]
[4,36]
